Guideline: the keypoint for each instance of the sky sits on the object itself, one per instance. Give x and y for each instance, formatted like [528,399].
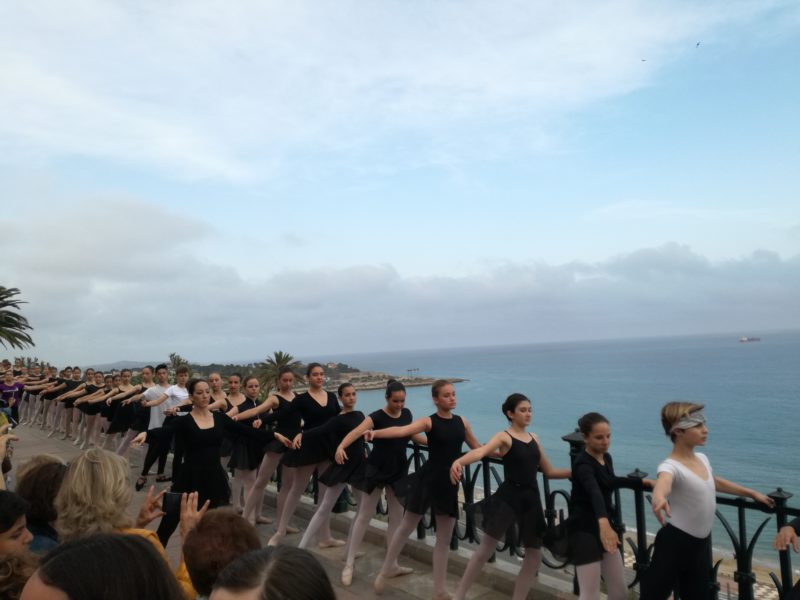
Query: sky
[224,180]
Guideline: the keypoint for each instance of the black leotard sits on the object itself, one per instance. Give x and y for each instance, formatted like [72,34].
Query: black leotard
[313,415]
[387,464]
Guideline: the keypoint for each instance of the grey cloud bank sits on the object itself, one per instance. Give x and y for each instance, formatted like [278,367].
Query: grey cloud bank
[98,294]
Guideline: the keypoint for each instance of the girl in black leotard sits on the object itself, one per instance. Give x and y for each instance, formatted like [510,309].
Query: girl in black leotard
[336,476]
[387,468]
[287,423]
[315,407]
[430,487]
[516,501]
[246,454]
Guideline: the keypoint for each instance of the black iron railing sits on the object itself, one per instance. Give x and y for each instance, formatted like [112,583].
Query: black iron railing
[556,503]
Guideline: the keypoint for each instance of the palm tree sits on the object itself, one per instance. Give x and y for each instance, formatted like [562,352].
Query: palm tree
[13,325]
[267,371]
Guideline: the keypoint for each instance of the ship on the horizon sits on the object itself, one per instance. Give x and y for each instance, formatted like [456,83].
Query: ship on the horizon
[749,339]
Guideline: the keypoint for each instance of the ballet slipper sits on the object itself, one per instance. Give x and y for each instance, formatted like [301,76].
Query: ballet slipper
[379,584]
[290,530]
[263,521]
[359,554]
[275,540]
[399,571]
[347,576]
[332,543]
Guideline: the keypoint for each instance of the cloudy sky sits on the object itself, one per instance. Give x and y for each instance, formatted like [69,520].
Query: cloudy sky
[228,179]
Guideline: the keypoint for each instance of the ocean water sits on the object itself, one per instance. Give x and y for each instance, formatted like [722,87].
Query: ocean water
[751,392]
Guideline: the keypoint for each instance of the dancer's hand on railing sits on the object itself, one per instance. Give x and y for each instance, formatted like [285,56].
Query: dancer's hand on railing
[455,472]
[763,499]
[786,537]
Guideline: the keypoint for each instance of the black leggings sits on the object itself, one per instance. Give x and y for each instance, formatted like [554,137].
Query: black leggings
[680,562]
[158,442]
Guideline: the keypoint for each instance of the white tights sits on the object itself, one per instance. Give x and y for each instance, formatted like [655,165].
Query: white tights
[367,504]
[243,480]
[299,479]
[611,568]
[527,573]
[254,500]
[441,550]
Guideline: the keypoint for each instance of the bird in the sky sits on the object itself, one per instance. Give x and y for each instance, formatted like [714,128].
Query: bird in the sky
[697,45]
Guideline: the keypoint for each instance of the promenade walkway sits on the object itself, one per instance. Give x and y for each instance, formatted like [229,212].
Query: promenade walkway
[497,580]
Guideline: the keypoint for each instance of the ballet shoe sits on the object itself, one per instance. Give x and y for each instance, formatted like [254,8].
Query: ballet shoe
[332,543]
[275,540]
[399,571]
[52,433]
[358,554]
[290,529]
[347,576]
[263,521]
[379,584]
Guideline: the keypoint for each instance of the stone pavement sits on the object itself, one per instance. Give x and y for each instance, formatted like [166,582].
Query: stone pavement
[496,582]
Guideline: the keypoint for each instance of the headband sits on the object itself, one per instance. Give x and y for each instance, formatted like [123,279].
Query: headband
[691,420]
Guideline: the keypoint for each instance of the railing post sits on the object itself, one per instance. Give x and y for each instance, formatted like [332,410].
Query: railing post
[743,576]
[784,557]
[642,557]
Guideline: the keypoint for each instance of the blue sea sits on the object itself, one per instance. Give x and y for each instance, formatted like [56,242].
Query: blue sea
[751,391]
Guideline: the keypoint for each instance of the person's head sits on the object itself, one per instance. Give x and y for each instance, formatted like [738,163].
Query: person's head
[108,380]
[8,378]
[89,374]
[116,380]
[98,378]
[285,379]
[252,387]
[684,422]
[517,409]
[132,569]
[162,374]
[315,375]
[15,571]
[38,482]
[596,432]
[182,375]
[147,374]
[347,395]
[76,373]
[219,538]
[14,535]
[395,395]
[17,363]
[215,381]
[94,495]
[444,395]
[125,375]
[199,392]
[274,572]
[234,383]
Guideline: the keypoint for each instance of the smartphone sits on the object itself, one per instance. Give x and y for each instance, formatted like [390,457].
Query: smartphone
[171,503]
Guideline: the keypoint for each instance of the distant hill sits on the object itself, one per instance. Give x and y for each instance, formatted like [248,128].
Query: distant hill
[123,364]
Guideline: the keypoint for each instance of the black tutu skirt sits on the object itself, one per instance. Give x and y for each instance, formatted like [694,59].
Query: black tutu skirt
[275,446]
[584,540]
[108,411]
[351,471]
[141,420]
[429,489]
[226,448]
[246,455]
[375,477]
[308,454]
[124,417]
[514,510]
[209,481]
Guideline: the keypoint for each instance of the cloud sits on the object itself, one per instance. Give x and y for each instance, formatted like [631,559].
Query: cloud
[235,91]
[99,292]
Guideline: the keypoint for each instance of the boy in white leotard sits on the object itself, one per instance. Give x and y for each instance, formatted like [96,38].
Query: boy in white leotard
[684,501]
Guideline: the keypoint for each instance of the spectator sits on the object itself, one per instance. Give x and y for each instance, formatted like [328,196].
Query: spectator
[14,534]
[274,572]
[220,537]
[38,482]
[131,569]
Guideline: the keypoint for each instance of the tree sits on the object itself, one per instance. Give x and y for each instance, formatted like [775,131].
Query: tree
[267,371]
[176,360]
[13,326]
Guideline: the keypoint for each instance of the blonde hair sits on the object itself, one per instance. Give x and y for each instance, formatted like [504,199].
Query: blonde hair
[94,496]
[673,412]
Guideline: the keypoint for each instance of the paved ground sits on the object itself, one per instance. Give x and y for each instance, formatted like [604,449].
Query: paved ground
[417,585]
